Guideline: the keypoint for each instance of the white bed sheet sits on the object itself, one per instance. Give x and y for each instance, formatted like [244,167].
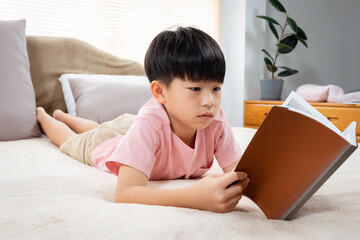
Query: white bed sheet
[44,194]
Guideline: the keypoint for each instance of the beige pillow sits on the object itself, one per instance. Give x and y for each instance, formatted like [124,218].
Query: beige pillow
[50,57]
[17,97]
[104,97]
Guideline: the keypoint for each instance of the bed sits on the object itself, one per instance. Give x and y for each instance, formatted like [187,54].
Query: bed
[45,194]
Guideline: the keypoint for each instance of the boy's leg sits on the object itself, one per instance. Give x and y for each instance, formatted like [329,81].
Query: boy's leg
[57,131]
[78,124]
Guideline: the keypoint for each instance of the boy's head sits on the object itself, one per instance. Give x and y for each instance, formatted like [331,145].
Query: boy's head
[186,53]
[186,68]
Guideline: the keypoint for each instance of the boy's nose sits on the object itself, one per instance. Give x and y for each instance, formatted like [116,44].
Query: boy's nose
[208,99]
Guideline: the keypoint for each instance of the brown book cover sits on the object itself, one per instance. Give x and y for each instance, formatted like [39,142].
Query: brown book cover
[290,156]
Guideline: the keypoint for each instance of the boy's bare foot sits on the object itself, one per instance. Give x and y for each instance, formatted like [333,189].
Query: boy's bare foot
[40,113]
[58,115]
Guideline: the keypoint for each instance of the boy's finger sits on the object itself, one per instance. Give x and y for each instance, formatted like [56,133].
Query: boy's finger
[237,188]
[231,177]
[234,199]
[216,175]
[242,175]
[234,190]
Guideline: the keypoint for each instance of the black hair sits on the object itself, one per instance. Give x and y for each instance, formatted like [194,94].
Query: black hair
[187,53]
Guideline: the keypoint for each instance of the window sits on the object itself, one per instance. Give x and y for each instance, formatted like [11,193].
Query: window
[121,27]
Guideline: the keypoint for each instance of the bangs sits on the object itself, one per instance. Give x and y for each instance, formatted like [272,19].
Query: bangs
[188,54]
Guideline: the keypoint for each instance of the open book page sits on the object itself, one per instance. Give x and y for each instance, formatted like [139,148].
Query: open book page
[349,133]
[295,103]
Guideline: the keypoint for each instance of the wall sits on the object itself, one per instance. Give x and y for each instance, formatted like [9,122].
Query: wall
[254,41]
[333,56]
[233,46]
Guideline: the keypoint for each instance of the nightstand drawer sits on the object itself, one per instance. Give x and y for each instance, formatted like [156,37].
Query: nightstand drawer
[255,114]
[341,117]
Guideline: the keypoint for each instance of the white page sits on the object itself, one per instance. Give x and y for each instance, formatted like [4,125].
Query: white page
[296,103]
[350,133]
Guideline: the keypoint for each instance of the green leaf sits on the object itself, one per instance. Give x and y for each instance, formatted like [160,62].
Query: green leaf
[272,68]
[273,29]
[292,24]
[283,48]
[276,4]
[301,40]
[290,42]
[287,68]
[267,61]
[301,33]
[269,19]
[268,54]
[287,72]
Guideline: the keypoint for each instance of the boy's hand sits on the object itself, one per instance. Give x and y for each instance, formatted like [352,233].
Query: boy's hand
[217,192]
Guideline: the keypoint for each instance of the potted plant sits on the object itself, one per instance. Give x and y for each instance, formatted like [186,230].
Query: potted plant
[286,41]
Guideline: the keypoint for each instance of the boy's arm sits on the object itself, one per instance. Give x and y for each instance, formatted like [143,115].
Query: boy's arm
[231,167]
[210,193]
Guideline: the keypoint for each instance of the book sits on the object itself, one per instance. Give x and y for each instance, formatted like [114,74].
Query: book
[293,152]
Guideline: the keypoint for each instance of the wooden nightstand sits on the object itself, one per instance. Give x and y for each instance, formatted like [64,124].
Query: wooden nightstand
[341,115]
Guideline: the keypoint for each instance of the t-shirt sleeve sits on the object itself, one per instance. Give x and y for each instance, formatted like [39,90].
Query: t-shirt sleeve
[227,150]
[137,149]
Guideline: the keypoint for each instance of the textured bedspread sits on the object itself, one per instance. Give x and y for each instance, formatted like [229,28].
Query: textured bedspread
[45,194]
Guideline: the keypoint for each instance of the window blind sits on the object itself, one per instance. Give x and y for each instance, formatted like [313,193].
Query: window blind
[122,27]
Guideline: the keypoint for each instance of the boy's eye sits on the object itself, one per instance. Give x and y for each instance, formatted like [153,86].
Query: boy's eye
[195,89]
[217,89]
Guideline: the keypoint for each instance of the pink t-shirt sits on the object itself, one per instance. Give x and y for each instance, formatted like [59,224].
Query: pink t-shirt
[151,147]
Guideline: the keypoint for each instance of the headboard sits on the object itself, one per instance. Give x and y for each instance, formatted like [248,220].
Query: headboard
[52,56]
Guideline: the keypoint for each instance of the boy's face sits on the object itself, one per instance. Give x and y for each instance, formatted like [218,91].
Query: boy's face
[191,105]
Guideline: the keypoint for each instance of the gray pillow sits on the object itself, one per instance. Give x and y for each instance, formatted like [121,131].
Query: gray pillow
[104,97]
[17,97]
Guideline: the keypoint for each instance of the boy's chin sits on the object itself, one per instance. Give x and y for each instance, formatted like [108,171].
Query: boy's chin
[204,125]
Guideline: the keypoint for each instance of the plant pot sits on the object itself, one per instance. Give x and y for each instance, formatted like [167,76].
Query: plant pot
[271,89]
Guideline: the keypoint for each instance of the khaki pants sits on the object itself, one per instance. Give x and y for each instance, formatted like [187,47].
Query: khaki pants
[81,145]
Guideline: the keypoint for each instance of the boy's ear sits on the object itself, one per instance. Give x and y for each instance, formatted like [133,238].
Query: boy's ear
[158,91]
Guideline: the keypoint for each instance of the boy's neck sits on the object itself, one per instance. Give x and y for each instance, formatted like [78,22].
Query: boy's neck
[187,135]
[188,140]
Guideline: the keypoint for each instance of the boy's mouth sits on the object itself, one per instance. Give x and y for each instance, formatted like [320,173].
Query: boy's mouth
[206,116]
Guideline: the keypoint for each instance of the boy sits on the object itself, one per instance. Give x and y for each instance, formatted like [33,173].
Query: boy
[175,134]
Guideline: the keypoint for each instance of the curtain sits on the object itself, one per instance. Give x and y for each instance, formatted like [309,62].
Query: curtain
[122,27]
